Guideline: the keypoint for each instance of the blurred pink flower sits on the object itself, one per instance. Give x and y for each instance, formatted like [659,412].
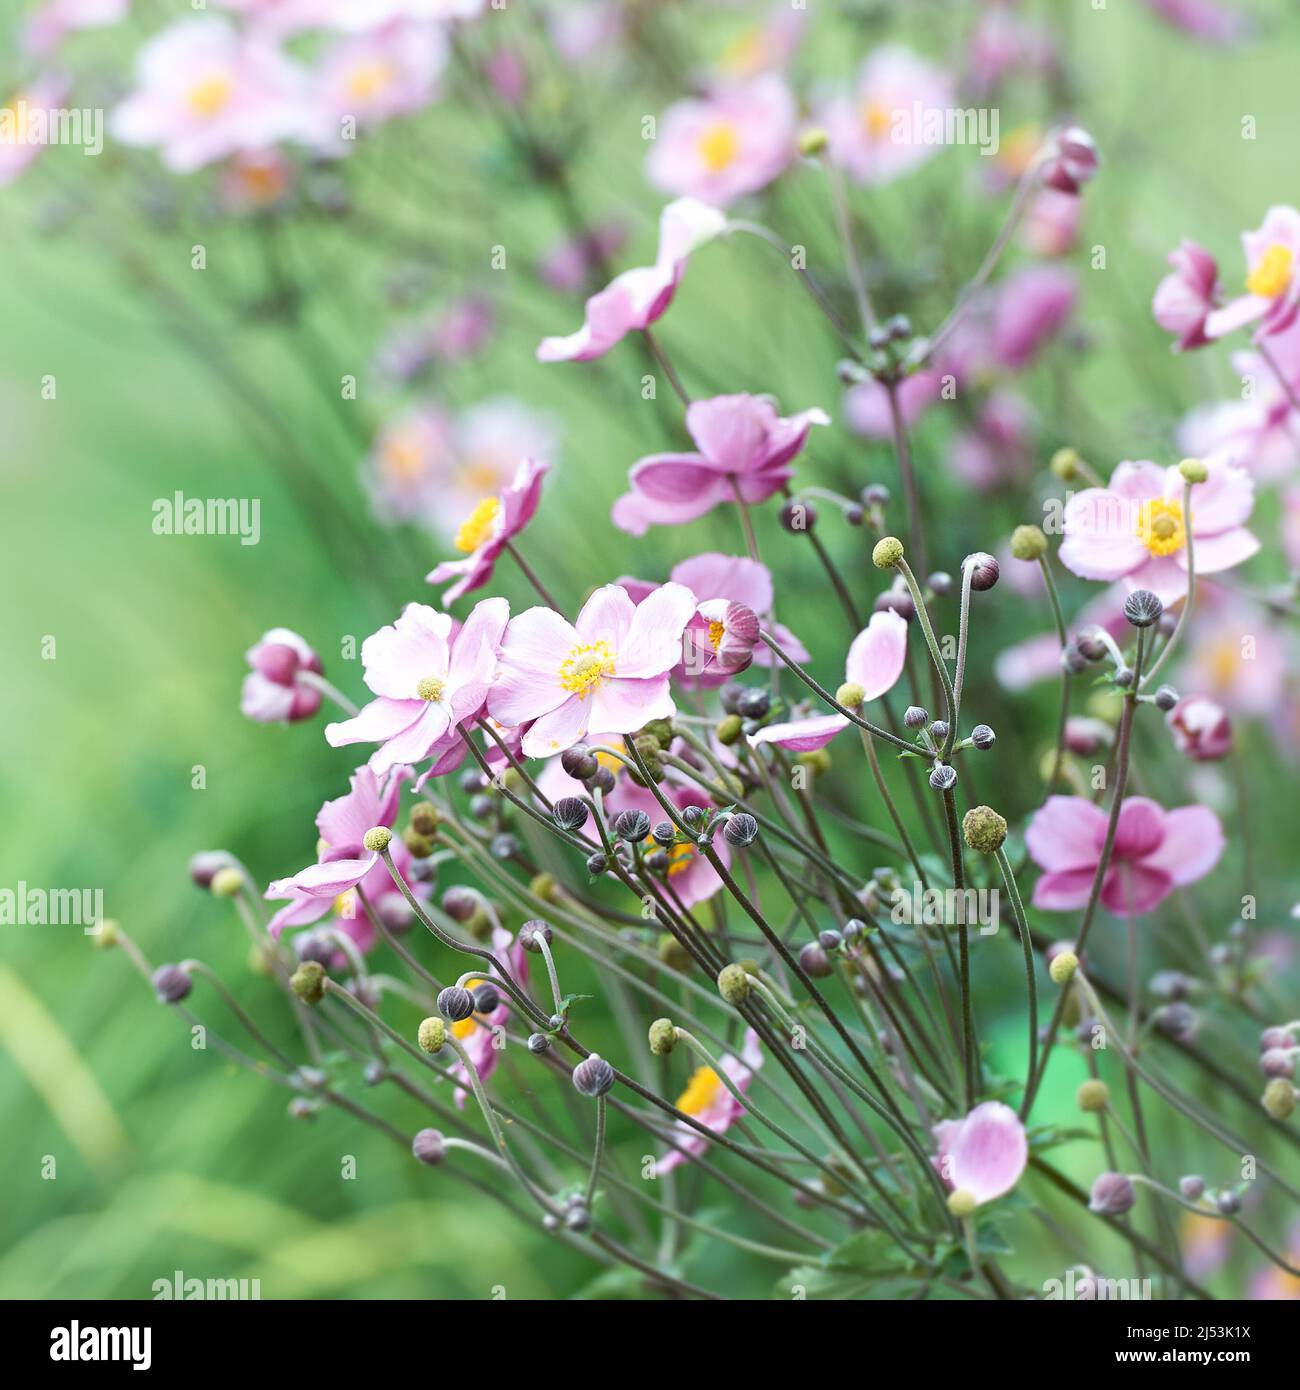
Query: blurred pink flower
[607,671]
[568,265]
[488,529]
[1200,728]
[1238,658]
[732,142]
[745,449]
[1183,300]
[1030,307]
[53,20]
[272,693]
[766,45]
[866,404]
[983,1154]
[1051,223]
[24,123]
[707,1100]
[1204,19]
[637,298]
[373,77]
[1155,851]
[1135,529]
[996,450]
[1272,297]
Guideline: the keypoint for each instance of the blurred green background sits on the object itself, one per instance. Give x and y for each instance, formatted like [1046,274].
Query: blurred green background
[168,1159]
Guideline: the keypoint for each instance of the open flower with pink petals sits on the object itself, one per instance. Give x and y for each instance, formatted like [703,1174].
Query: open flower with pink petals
[609,670]
[734,141]
[489,529]
[1155,852]
[1135,528]
[273,692]
[745,449]
[707,1099]
[637,298]
[425,684]
[983,1155]
[1272,298]
[875,662]
[205,92]
[1183,300]
[24,123]
[373,77]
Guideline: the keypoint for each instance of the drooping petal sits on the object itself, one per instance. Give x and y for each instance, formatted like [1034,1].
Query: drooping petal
[987,1152]
[877,654]
[376,722]
[802,735]
[326,880]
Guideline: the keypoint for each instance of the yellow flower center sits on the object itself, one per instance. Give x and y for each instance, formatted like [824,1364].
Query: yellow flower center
[401,459]
[345,905]
[877,118]
[716,631]
[1160,526]
[719,146]
[1224,660]
[477,526]
[1019,148]
[211,96]
[1273,274]
[465,1027]
[431,688]
[701,1091]
[369,79]
[586,667]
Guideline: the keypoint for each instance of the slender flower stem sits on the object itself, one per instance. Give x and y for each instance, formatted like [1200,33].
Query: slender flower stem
[597,1152]
[661,357]
[545,949]
[531,576]
[911,490]
[844,226]
[1027,946]
[331,692]
[936,656]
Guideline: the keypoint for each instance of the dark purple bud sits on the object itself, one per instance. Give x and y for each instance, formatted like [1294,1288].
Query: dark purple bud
[428,1147]
[533,933]
[171,983]
[570,813]
[455,1003]
[815,961]
[984,570]
[1112,1195]
[593,1076]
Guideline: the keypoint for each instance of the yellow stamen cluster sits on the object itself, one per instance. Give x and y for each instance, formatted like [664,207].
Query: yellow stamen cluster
[367,80]
[477,526]
[401,459]
[211,96]
[877,118]
[586,667]
[1273,273]
[716,633]
[431,688]
[701,1091]
[719,146]
[1160,526]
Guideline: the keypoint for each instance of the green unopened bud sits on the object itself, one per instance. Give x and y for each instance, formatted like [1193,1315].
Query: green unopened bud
[733,984]
[420,846]
[887,553]
[377,839]
[545,887]
[432,1034]
[813,141]
[308,982]
[1279,1098]
[106,934]
[226,882]
[816,760]
[729,730]
[1028,543]
[663,1037]
[425,818]
[673,954]
[1065,464]
[850,695]
[659,729]
[1194,470]
[984,830]
[1093,1096]
[1062,968]
[962,1203]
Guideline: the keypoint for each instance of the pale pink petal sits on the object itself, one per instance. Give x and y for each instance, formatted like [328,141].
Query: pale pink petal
[1139,481]
[623,706]
[557,730]
[377,722]
[1101,534]
[1235,314]
[1066,833]
[1140,828]
[877,655]
[1216,553]
[653,644]
[802,735]
[527,682]
[1223,502]
[412,744]
[1192,844]
[734,577]
[606,617]
[1064,890]
[326,880]
[1129,890]
[399,656]
[988,1151]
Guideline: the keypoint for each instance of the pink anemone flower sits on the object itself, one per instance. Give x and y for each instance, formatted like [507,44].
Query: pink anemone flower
[875,662]
[1272,297]
[607,671]
[708,1100]
[983,1154]
[489,529]
[1135,529]
[23,124]
[1155,852]
[1200,728]
[745,449]
[272,691]
[425,684]
[722,146]
[637,298]
[1184,300]
[374,77]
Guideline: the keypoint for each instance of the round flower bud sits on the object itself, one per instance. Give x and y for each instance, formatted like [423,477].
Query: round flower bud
[204,865]
[915,717]
[538,1043]
[850,695]
[593,1076]
[1192,1187]
[1063,966]
[1279,1098]
[428,1147]
[939,730]
[377,839]
[420,846]
[533,933]
[226,882]
[106,934]
[597,864]
[754,702]
[663,1035]
[854,514]
[432,1034]
[983,737]
[984,570]
[486,997]
[543,885]
[424,818]
[1228,1203]
[1194,470]
[1274,1037]
[1277,1062]
[962,1203]
[570,813]
[887,553]
[943,777]
[1166,698]
[1028,543]
[673,954]
[632,826]
[460,903]
[733,984]
[897,600]
[455,1003]
[1073,659]
[1090,646]
[939,583]
[875,495]
[815,962]
[1092,1096]
[984,830]
[1065,464]
[729,730]
[171,983]
[740,830]
[1112,1195]
[1142,608]
[308,982]
[798,515]
[854,928]
[579,762]
[813,141]
[504,846]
